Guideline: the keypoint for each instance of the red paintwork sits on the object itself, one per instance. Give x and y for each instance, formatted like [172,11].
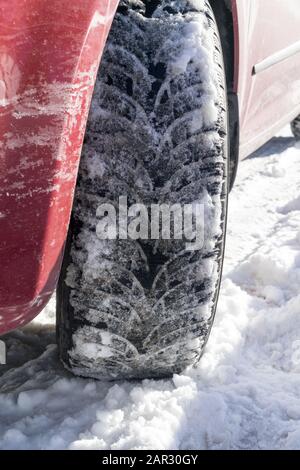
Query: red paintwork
[49,55]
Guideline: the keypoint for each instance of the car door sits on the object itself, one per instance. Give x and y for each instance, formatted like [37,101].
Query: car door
[269,64]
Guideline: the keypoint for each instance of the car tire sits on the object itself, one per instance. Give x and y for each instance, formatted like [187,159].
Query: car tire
[157,133]
[295,125]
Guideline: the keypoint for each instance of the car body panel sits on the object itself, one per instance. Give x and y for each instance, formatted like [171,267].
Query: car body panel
[49,56]
[271,98]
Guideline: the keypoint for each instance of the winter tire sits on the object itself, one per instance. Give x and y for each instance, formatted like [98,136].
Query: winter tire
[157,133]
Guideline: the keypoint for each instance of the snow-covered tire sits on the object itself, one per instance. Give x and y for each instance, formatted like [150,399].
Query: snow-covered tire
[157,133]
[295,125]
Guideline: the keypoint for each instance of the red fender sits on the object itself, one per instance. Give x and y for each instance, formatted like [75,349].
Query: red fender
[49,56]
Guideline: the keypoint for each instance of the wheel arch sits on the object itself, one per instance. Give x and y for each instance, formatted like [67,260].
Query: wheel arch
[47,83]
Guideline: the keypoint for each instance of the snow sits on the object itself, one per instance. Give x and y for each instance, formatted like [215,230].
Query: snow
[245,393]
[90,349]
[197,47]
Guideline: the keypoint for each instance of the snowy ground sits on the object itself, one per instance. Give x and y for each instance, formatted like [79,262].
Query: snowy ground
[245,394]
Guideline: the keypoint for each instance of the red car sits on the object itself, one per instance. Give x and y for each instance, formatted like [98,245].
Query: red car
[185,89]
